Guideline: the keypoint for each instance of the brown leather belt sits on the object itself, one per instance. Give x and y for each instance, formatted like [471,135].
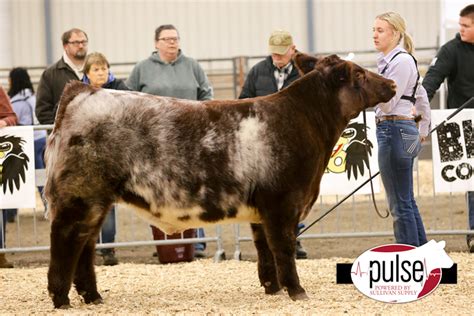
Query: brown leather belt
[379,119]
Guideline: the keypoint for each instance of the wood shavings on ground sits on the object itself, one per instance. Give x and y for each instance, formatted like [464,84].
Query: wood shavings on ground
[229,287]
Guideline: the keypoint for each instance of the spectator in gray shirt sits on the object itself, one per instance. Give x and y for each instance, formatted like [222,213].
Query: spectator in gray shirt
[168,72]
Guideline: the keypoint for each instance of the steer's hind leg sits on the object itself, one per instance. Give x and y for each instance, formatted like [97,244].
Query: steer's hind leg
[85,279]
[73,231]
[266,265]
[68,236]
[280,233]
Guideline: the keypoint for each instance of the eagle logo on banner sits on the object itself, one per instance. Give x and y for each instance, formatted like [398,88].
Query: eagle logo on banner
[351,153]
[13,162]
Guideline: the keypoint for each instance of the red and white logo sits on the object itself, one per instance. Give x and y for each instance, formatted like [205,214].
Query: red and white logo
[398,273]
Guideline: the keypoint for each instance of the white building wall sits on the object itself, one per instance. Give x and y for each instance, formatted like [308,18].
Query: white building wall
[124,29]
[22,33]
[6,31]
[346,25]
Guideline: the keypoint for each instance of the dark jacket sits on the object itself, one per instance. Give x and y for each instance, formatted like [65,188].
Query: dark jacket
[50,88]
[112,82]
[261,80]
[455,61]
[116,84]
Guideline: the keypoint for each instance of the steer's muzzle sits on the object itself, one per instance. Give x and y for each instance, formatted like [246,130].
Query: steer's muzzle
[389,92]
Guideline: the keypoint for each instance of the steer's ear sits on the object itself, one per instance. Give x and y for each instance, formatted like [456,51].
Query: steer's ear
[340,73]
[304,63]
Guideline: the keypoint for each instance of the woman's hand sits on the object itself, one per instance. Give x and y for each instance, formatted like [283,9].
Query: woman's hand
[3,123]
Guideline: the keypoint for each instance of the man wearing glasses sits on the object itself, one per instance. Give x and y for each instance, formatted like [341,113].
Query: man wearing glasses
[55,77]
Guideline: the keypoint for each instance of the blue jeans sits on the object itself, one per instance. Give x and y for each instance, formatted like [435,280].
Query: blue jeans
[470,207]
[3,224]
[399,144]
[107,234]
[299,227]
[40,145]
[201,245]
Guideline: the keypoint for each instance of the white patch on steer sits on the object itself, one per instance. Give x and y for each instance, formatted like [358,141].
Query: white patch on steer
[98,105]
[253,158]
[209,140]
[169,223]
[109,105]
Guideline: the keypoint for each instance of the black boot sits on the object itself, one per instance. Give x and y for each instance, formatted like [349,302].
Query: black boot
[109,257]
[300,252]
[470,244]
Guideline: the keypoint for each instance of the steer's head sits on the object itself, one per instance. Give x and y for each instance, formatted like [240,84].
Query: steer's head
[356,87]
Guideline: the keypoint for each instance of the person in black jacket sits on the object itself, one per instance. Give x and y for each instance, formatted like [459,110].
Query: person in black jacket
[68,67]
[271,75]
[275,72]
[455,61]
[97,73]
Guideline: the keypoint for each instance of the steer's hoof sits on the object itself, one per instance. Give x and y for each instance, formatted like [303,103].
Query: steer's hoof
[299,296]
[272,288]
[93,298]
[60,302]
[276,291]
[279,292]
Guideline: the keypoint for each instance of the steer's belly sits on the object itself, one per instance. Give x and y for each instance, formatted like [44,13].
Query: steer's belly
[172,220]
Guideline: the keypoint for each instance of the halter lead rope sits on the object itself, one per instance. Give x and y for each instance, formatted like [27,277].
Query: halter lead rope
[370,171]
[471,100]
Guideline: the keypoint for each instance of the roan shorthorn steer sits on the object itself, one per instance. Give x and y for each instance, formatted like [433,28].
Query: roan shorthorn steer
[184,164]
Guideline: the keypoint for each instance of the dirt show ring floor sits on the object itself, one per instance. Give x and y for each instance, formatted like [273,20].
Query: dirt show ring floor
[229,287]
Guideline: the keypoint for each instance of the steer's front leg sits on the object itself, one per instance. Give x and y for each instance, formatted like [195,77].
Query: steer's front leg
[280,232]
[266,264]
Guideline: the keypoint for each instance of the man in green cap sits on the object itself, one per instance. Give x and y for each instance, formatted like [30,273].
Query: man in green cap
[276,71]
[271,75]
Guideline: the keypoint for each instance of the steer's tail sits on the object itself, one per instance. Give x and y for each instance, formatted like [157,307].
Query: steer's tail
[54,146]
[71,91]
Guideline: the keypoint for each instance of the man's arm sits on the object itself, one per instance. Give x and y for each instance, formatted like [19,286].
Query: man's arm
[248,89]
[443,65]
[44,101]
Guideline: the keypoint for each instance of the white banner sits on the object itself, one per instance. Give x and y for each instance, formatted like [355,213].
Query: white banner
[347,167]
[453,151]
[17,167]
